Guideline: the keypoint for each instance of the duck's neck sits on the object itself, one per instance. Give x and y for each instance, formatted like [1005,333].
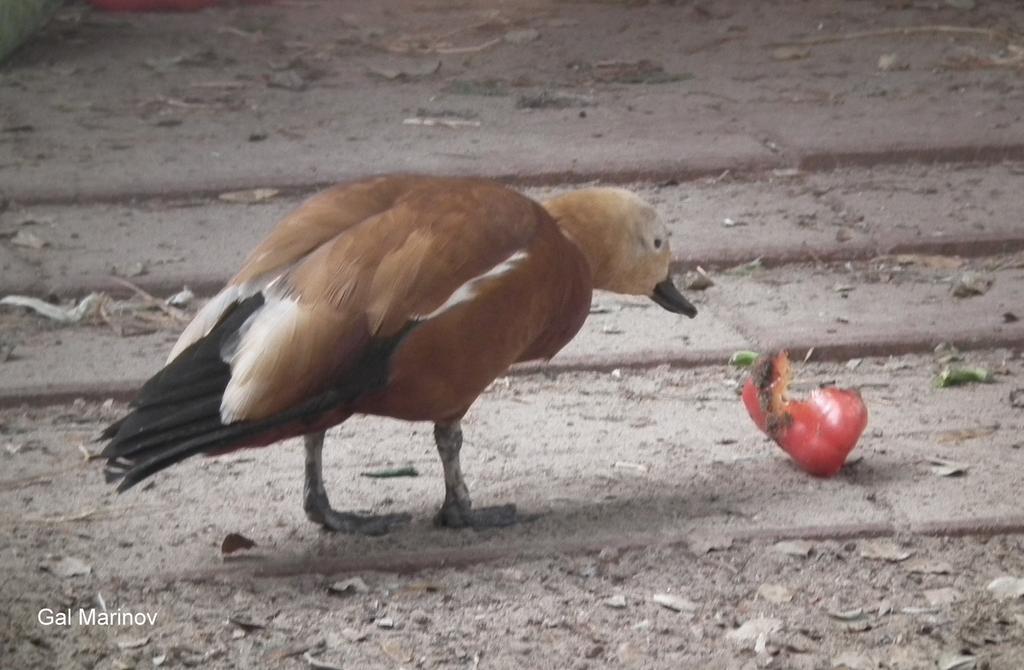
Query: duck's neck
[577,216]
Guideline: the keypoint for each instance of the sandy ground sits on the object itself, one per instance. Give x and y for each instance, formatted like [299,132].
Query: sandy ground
[300,93]
[119,134]
[716,222]
[631,484]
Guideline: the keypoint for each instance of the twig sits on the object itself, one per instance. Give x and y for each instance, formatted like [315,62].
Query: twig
[170,311]
[994,35]
[93,514]
[466,50]
[7,485]
[81,516]
[116,327]
[721,564]
[89,456]
[238,32]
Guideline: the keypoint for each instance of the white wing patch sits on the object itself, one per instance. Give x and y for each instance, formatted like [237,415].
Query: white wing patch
[469,290]
[207,317]
[263,335]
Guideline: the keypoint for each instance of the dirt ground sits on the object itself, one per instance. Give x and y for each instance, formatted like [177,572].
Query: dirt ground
[631,484]
[300,93]
[658,528]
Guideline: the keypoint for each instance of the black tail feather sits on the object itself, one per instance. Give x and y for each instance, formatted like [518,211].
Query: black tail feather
[177,412]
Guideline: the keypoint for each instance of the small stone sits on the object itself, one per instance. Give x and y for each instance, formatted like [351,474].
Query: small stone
[617,602]
[349,586]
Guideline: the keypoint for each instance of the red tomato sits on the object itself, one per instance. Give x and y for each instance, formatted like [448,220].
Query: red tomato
[817,433]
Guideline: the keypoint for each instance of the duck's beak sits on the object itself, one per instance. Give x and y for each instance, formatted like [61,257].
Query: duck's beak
[669,297]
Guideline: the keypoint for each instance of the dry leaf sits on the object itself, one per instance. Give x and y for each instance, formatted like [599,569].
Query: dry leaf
[628,465]
[522,36]
[249,196]
[704,544]
[929,261]
[943,596]
[408,73]
[790,53]
[847,615]
[958,436]
[244,622]
[87,307]
[349,586]
[800,548]
[182,298]
[957,662]
[774,593]
[319,664]
[755,628]
[442,121]
[234,542]
[697,280]
[674,603]
[635,72]
[971,284]
[1006,587]
[945,468]
[70,567]
[132,643]
[887,62]
[24,238]
[617,602]
[396,652]
[926,566]
[851,660]
[884,550]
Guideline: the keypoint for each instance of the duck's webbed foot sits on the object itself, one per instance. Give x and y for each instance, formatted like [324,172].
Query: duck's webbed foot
[457,510]
[318,508]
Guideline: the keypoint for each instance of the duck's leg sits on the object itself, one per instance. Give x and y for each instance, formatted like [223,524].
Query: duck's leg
[318,507]
[457,510]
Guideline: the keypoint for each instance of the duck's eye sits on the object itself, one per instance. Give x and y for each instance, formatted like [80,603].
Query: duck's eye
[657,243]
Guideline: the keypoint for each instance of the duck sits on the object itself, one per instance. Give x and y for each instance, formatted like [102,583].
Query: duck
[401,296]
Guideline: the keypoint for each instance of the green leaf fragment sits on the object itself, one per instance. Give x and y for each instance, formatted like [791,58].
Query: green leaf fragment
[408,471]
[952,376]
[743,359]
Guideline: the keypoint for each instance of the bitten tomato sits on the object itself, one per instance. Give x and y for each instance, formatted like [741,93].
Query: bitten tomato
[817,433]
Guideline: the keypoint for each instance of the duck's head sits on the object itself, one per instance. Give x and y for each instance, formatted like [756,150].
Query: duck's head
[624,241]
